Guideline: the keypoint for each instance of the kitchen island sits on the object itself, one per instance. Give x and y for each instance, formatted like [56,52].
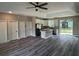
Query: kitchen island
[45,33]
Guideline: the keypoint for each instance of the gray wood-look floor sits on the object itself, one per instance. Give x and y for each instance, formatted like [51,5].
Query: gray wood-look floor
[35,46]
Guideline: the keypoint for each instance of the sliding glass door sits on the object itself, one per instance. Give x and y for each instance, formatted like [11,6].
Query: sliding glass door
[66,27]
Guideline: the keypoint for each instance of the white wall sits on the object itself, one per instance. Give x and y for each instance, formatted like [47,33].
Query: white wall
[76,26]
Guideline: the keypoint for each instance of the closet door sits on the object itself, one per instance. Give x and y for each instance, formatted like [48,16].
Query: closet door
[3,31]
[28,28]
[12,30]
[22,29]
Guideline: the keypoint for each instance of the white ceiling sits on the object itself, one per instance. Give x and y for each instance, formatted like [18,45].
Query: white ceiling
[54,8]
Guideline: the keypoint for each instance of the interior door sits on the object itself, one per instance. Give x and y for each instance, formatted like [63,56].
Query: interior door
[28,28]
[22,29]
[3,31]
[13,30]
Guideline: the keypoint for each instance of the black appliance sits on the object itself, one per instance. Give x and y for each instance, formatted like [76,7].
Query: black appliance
[38,29]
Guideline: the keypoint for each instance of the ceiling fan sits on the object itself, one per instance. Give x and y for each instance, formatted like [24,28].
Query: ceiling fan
[37,5]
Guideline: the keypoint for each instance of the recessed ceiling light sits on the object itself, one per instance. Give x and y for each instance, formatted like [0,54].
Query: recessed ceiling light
[9,11]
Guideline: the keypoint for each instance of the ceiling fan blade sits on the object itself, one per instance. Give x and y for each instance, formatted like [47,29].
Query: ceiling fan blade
[29,7]
[43,8]
[37,3]
[32,3]
[43,4]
